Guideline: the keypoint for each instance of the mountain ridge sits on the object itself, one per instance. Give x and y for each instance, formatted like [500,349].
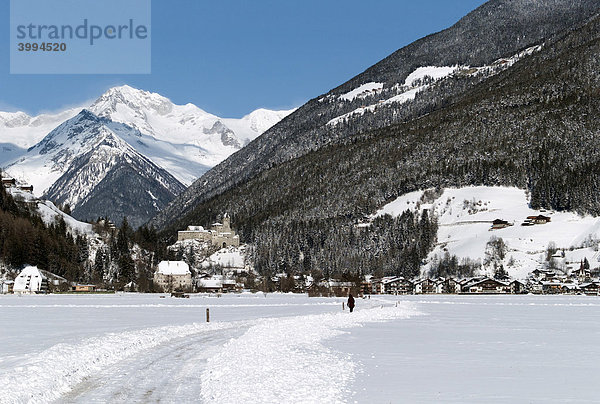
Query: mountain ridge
[78,157]
[194,140]
[532,126]
[306,130]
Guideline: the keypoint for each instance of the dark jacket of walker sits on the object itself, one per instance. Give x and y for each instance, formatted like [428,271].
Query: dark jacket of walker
[350,303]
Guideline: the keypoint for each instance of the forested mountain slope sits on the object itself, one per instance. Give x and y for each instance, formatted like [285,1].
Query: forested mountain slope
[533,126]
[395,90]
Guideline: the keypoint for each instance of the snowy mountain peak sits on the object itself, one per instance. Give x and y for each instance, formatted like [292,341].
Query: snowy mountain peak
[117,98]
[262,119]
[14,119]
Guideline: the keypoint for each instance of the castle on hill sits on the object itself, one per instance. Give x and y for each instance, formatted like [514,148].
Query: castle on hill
[220,234]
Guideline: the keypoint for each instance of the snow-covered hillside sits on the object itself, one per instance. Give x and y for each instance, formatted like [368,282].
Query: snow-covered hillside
[230,258]
[465,219]
[417,81]
[50,214]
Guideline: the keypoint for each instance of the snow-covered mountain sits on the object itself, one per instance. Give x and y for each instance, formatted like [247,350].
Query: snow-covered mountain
[195,139]
[88,162]
[183,139]
[161,145]
[19,131]
[24,131]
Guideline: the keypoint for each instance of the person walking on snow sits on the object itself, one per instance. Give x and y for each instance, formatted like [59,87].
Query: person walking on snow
[350,302]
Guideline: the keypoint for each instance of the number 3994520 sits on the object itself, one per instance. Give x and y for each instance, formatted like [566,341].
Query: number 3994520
[43,47]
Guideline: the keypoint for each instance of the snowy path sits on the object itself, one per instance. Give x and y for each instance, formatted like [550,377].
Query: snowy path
[55,372]
[166,374]
[286,360]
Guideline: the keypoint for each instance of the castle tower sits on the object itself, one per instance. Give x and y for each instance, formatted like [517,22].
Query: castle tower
[226,223]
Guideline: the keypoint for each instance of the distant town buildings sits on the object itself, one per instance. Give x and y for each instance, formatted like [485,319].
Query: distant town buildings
[220,234]
[206,283]
[83,288]
[498,224]
[533,220]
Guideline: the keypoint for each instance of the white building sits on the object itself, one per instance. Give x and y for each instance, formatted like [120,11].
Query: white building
[30,280]
[173,275]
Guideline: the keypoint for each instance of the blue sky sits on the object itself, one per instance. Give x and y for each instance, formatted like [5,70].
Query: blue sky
[231,57]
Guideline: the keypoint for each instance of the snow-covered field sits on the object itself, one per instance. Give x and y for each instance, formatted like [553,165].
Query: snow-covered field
[291,348]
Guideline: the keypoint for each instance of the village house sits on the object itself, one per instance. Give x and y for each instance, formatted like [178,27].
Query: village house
[486,286]
[404,286]
[9,182]
[517,287]
[220,234]
[366,285]
[447,285]
[396,285]
[500,224]
[539,219]
[590,288]
[570,288]
[26,188]
[377,287]
[339,288]
[424,286]
[173,275]
[83,288]
[217,284]
[543,274]
[209,285]
[30,281]
[552,287]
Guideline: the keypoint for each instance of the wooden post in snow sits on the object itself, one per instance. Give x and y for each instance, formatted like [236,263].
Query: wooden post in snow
[207,315]
[343,306]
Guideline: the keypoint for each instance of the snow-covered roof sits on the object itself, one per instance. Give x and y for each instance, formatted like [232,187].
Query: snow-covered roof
[173,268]
[195,228]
